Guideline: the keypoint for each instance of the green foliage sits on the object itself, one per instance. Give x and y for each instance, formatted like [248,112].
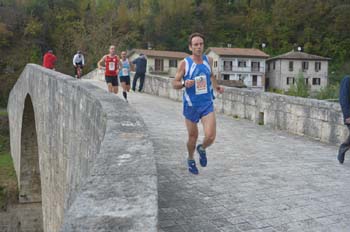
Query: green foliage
[8,179]
[331,92]
[278,91]
[299,88]
[5,35]
[29,27]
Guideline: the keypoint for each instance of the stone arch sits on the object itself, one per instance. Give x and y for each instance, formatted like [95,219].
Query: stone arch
[30,183]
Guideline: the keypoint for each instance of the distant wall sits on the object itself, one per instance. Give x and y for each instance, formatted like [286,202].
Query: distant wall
[83,152]
[320,120]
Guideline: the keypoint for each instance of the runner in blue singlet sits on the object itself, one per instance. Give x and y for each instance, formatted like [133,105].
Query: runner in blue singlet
[195,74]
[124,74]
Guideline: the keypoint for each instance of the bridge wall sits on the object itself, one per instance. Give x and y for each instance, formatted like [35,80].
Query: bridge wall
[320,120]
[83,153]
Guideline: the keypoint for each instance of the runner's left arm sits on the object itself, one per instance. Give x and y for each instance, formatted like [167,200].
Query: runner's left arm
[214,82]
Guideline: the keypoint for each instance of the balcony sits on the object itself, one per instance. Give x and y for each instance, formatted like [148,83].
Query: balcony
[249,69]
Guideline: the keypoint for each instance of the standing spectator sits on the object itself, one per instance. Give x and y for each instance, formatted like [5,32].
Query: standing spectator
[49,60]
[344,100]
[141,63]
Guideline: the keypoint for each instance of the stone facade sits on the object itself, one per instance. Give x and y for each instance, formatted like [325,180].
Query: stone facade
[282,72]
[227,68]
[317,119]
[75,148]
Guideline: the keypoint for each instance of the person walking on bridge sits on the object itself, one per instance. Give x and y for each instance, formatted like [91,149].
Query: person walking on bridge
[141,63]
[344,100]
[49,60]
[124,74]
[195,75]
[111,64]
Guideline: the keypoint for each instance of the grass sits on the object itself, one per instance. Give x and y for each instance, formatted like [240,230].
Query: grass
[8,180]
[3,112]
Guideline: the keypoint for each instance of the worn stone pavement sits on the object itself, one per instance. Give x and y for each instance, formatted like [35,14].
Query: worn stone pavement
[257,179]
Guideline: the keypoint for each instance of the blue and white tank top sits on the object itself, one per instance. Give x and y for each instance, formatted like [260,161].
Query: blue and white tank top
[201,93]
[125,68]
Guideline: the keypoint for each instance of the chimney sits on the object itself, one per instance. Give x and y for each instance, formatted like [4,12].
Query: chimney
[229,45]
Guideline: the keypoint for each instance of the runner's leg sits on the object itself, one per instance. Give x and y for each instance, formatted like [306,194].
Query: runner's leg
[124,90]
[128,84]
[209,127]
[110,87]
[192,130]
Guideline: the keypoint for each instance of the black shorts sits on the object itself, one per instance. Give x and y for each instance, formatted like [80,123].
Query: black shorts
[125,79]
[112,79]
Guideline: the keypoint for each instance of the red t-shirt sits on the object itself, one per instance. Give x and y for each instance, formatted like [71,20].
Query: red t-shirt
[49,60]
[111,64]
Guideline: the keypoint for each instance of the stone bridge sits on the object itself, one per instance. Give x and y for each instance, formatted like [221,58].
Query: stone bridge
[99,164]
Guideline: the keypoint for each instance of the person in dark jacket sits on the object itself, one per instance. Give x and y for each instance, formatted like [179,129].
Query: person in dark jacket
[344,100]
[141,63]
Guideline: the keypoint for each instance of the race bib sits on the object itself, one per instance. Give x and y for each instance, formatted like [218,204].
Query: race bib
[201,84]
[125,72]
[111,66]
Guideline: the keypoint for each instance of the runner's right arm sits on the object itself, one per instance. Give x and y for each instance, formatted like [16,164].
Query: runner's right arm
[101,61]
[177,82]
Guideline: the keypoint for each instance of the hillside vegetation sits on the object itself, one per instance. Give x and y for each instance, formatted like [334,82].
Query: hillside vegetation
[29,27]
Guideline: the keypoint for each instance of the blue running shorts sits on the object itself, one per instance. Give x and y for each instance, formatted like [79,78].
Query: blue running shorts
[194,114]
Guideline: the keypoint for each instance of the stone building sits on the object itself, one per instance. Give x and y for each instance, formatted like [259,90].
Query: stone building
[160,62]
[240,64]
[283,70]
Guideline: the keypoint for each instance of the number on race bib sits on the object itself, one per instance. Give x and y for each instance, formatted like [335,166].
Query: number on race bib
[201,84]
[111,66]
[125,72]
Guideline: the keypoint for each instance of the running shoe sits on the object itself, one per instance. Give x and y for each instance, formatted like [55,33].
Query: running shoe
[202,155]
[192,168]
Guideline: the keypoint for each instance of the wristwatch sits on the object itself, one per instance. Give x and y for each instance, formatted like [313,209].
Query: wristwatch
[183,84]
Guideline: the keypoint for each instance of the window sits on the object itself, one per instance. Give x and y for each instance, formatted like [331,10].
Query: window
[317,66]
[307,81]
[226,77]
[305,65]
[173,63]
[242,63]
[159,65]
[316,81]
[291,64]
[255,66]
[274,65]
[268,67]
[255,80]
[290,80]
[215,64]
[227,65]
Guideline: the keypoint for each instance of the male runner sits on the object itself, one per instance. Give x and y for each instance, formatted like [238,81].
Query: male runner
[195,74]
[111,63]
[124,74]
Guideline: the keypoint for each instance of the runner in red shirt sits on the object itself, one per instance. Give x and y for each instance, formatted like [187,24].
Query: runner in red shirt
[49,60]
[111,64]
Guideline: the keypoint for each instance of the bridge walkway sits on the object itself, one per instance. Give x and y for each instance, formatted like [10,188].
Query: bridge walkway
[257,179]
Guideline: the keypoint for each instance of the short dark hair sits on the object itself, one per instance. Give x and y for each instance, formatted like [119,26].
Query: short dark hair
[196,34]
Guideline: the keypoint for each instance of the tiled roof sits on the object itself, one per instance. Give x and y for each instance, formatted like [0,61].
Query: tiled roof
[241,52]
[293,55]
[159,53]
